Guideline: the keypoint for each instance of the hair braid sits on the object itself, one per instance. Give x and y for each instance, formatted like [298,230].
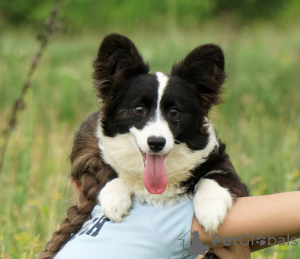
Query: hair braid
[91,173]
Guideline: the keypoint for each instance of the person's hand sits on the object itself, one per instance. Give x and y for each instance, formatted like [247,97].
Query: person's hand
[232,252]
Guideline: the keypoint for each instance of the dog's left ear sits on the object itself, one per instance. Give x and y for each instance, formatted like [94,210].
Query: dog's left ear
[117,60]
[204,67]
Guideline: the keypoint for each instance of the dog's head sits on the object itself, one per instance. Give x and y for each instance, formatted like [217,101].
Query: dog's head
[156,118]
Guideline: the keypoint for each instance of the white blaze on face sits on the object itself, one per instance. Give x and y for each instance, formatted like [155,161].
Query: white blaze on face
[155,174]
[157,126]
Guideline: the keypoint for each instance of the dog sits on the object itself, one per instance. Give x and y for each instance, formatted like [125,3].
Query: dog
[153,130]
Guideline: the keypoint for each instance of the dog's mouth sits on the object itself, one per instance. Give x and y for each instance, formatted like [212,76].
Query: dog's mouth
[155,173]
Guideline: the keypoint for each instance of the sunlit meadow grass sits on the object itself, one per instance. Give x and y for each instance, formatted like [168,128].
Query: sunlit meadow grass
[259,120]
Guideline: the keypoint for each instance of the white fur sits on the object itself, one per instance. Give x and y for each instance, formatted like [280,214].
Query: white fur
[162,84]
[215,172]
[115,200]
[158,128]
[211,202]
[122,153]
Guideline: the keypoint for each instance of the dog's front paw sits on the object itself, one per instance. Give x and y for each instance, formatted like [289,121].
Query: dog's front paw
[211,214]
[115,200]
[211,202]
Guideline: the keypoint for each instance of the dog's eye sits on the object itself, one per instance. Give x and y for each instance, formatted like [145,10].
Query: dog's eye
[174,113]
[139,110]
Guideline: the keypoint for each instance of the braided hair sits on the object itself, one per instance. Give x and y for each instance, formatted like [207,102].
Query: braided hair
[90,172]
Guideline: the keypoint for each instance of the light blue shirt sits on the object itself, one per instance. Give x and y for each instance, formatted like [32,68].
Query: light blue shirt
[147,232]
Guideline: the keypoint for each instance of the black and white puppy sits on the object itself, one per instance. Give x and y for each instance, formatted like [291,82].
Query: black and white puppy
[154,132]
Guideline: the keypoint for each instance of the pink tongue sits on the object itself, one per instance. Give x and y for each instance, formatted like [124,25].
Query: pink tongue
[155,174]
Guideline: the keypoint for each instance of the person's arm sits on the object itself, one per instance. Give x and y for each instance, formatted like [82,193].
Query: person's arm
[275,215]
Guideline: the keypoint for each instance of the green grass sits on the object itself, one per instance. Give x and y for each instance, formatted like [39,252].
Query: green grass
[259,120]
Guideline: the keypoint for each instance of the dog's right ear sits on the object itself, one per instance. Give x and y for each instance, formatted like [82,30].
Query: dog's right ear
[204,67]
[117,59]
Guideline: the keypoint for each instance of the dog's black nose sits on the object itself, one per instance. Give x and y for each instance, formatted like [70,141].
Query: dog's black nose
[156,144]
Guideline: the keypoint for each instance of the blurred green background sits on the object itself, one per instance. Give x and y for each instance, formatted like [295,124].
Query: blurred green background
[259,121]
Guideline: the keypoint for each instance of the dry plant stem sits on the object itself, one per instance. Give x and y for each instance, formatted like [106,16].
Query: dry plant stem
[20,103]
